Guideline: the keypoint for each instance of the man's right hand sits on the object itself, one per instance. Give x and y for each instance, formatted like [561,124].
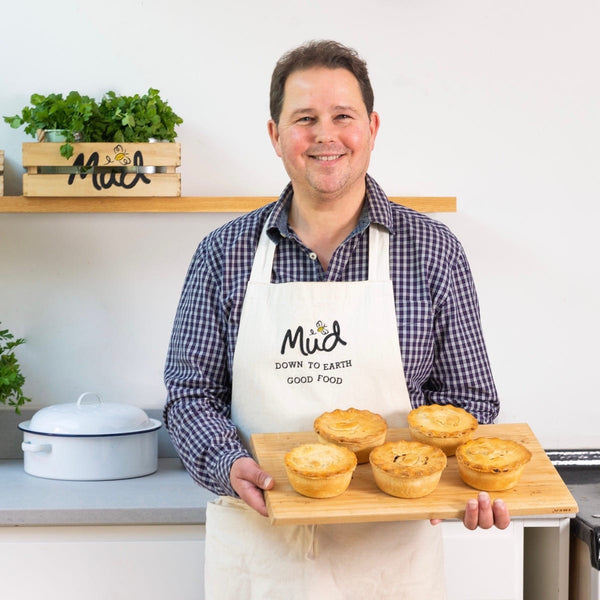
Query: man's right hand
[249,480]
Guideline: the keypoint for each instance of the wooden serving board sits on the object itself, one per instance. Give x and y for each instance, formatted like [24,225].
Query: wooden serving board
[540,490]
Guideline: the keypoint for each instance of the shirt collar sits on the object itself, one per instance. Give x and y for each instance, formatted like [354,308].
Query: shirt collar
[376,209]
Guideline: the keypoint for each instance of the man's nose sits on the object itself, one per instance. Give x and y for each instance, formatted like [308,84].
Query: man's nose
[324,131]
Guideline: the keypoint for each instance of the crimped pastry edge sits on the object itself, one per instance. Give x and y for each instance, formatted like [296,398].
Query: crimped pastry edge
[375,427]
[427,430]
[380,458]
[520,460]
[348,461]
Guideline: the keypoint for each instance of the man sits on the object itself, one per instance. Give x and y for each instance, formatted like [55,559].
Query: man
[333,250]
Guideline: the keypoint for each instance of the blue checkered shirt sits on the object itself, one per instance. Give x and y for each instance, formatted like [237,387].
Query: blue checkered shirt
[444,355]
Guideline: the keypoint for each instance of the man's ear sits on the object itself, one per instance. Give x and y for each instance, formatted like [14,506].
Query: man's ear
[374,127]
[274,136]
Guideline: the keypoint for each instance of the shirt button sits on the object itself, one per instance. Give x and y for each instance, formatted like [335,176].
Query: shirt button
[313,256]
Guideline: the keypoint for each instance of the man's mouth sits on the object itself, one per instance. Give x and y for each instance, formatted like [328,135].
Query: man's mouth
[327,157]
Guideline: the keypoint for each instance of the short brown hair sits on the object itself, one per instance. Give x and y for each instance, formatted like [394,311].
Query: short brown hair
[320,53]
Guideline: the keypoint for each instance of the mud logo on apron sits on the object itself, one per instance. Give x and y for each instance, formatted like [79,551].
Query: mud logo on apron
[321,338]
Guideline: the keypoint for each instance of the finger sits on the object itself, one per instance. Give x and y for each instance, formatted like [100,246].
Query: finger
[501,514]
[470,519]
[265,481]
[253,497]
[435,521]
[486,515]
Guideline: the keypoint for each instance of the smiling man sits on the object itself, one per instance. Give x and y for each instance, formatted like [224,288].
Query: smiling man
[324,136]
[391,291]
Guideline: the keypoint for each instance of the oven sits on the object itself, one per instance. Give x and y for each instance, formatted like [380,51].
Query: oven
[580,470]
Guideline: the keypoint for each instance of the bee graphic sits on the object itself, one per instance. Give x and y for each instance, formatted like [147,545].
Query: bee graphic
[321,328]
[121,156]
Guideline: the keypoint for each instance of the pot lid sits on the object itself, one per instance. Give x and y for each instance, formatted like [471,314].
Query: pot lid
[89,416]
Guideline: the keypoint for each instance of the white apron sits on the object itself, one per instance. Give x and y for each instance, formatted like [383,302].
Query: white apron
[304,348]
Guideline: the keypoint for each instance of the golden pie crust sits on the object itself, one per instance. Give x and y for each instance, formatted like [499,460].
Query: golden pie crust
[358,430]
[444,426]
[320,470]
[492,464]
[407,469]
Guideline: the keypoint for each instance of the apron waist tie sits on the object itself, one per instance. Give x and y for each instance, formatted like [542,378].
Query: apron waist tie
[311,545]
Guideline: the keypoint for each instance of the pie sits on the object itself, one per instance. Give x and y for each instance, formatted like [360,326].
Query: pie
[407,469]
[444,426]
[492,464]
[358,430]
[320,470]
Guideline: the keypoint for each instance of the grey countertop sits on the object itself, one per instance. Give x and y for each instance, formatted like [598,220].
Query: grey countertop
[167,497]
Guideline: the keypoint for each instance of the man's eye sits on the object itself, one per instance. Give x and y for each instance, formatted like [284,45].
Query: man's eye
[305,120]
[343,117]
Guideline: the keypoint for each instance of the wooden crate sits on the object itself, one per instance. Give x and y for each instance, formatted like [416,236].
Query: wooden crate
[102,169]
[1,172]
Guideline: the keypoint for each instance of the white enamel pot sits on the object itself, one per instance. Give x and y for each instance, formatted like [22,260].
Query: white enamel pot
[90,440]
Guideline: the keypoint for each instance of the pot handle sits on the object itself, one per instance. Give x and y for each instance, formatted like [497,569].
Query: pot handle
[85,394]
[31,447]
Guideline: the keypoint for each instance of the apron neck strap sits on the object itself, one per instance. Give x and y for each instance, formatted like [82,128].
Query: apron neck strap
[379,255]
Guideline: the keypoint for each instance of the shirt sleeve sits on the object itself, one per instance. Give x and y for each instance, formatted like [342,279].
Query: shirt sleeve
[198,408]
[461,373]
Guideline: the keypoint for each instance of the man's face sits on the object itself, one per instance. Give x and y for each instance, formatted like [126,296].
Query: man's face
[324,136]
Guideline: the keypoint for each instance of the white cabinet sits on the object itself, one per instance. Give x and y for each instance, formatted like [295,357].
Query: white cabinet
[483,564]
[102,562]
[526,561]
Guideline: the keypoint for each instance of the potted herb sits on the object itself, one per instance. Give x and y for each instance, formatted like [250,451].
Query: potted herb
[114,119]
[114,153]
[71,117]
[11,379]
[136,118]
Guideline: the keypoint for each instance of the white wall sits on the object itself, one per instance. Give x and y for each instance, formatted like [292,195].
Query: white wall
[495,102]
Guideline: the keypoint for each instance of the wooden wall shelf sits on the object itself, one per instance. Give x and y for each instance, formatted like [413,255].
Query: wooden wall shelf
[180,204]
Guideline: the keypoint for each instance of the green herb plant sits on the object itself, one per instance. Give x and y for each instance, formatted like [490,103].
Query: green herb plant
[11,379]
[137,118]
[72,115]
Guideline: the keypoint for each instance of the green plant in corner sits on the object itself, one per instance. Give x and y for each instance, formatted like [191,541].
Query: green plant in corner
[71,115]
[11,378]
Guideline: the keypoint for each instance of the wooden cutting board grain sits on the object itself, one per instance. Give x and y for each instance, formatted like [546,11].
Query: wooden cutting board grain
[540,490]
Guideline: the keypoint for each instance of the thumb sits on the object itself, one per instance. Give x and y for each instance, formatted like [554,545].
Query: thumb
[260,478]
[246,469]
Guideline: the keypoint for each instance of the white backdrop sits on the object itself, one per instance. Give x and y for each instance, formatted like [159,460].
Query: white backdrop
[495,102]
